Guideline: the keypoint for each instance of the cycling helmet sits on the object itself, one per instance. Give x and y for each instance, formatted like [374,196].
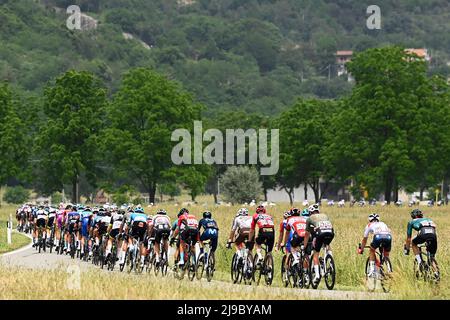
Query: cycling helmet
[162,212]
[139,210]
[374,216]
[260,209]
[207,215]
[416,213]
[182,211]
[313,209]
[295,212]
[286,214]
[242,212]
[305,213]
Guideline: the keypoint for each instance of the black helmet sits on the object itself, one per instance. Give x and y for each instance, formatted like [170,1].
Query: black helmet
[207,215]
[182,211]
[416,213]
[295,212]
[161,211]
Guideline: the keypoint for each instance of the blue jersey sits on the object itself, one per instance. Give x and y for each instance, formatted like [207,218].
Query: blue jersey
[138,217]
[73,217]
[207,223]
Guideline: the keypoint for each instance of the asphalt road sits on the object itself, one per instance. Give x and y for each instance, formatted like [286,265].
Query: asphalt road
[28,257]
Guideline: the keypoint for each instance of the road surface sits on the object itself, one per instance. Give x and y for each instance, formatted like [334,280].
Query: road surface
[28,257]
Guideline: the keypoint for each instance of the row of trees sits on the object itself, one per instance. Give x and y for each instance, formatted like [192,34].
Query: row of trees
[392,132]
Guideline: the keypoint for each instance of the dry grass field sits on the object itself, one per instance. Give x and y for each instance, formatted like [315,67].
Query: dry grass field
[349,224]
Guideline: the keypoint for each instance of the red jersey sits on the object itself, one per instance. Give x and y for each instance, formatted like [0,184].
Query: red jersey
[187,221]
[297,224]
[263,220]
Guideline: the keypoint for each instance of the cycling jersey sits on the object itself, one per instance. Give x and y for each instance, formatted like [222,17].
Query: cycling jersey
[161,222]
[318,223]
[263,221]
[297,225]
[422,225]
[376,228]
[242,223]
[187,221]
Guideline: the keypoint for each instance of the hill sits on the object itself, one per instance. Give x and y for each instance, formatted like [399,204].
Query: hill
[255,55]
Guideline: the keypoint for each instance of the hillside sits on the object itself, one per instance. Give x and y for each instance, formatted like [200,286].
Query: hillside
[256,55]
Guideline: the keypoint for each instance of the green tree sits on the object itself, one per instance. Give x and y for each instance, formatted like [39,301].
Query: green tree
[14,154]
[16,195]
[68,142]
[145,111]
[303,136]
[383,133]
[241,184]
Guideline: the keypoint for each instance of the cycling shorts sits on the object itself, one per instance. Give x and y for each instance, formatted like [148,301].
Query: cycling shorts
[212,235]
[190,235]
[266,236]
[430,239]
[384,240]
[321,239]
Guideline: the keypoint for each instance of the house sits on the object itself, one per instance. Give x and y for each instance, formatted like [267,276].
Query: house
[421,53]
[342,58]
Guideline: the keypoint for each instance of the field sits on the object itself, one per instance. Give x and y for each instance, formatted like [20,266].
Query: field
[18,240]
[349,224]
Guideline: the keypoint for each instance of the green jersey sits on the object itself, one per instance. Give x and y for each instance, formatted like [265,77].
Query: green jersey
[318,223]
[419,223]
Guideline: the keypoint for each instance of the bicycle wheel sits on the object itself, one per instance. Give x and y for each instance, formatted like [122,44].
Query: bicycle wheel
[248,269]
[164,264]
[330,274]
[72,247]
[371,281]
[284,274]
[386,274]
[200,267]
[268,269]
[312,274]
[125,261]
[434,269]
[257,270]
[211,266]
[192,267]
[235,268]
[291,274]
[130,260]
[306,277]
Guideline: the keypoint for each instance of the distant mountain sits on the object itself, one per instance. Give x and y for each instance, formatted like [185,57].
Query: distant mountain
[256,55]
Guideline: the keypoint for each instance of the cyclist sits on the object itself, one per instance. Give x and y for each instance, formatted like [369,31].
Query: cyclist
[381,237]
[426,232]
[136,228]
[266,234]
[60,220]
[320,229]
[40,221]
[86,216]
[114,229]
[73,225]
[280,243]
[295,234]
[51,221]
[240,231]
[161,229]
[211,231]
[188,229]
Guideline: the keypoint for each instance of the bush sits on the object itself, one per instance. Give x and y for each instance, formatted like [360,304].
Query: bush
[16,195]
[241,184]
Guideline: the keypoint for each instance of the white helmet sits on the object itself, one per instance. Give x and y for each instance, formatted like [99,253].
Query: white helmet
[286,214]
[242,212]
[374,216]
[313,208]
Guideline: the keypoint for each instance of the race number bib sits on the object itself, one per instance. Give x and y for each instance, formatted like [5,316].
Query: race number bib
[325,225]
[117,224]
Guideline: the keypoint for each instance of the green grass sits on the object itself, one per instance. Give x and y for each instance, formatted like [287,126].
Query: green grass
[18,240]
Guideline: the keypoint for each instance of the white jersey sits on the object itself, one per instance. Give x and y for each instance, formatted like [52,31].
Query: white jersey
[242,222]
[377,228]
[116,221]
[161,222]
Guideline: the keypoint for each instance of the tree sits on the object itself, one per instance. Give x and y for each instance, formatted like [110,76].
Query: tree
[381,135]
[144,113]
[14,156]
[303,136]
[68,142]
[16,195]
[241,184]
